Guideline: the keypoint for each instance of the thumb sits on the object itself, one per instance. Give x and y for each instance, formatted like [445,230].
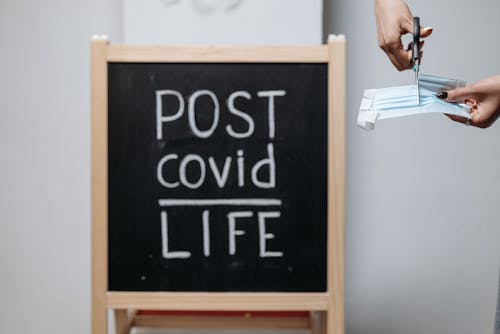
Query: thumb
[455,95]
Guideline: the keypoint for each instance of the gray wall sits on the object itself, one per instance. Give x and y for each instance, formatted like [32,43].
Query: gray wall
[423,227]
[45,161]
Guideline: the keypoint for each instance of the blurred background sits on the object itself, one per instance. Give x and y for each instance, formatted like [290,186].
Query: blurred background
[423,219]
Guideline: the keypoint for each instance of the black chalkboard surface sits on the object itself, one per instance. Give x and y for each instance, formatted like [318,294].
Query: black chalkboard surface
[217,177]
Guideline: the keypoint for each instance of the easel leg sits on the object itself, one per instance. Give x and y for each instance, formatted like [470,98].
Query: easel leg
[99,318]
[334,322]
[123,321]
[318,322]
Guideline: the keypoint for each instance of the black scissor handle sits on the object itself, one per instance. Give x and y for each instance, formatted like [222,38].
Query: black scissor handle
[416,37]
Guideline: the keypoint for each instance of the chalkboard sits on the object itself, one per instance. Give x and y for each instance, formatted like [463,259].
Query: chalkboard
[217,177]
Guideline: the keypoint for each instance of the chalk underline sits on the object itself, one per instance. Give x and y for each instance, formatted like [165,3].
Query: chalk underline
[220,201]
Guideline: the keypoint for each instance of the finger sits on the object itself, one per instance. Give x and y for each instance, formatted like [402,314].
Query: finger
[420,45]
[426,32]
[456,118]
[405,57]
[410,46]
[461,119]
[483,116]
[399,57]
[479,117]
[456,95]
[407,27]
[396,62]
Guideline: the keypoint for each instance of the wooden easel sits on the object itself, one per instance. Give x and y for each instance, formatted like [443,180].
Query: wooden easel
[329,304]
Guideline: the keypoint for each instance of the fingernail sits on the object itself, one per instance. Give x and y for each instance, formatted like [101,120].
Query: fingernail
[428,28]
[442,95]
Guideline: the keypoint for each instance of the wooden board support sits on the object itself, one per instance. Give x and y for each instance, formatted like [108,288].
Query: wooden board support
[218,54]
[312,321]
[224,320]
[219,301]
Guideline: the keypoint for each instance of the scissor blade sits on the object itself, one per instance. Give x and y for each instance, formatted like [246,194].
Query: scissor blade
[417,85]
[416,52]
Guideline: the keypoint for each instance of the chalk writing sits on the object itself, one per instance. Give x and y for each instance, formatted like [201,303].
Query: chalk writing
[196,162]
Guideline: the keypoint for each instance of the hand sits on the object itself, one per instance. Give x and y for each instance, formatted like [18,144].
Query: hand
[483,97]
[394,19]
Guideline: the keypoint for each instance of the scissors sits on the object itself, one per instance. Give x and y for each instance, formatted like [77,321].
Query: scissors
[415,51]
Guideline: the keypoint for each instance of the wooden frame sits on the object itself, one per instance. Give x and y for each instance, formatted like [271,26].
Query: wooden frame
[332,301]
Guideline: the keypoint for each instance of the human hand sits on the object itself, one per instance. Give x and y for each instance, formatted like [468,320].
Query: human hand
[483,97]
[394,19]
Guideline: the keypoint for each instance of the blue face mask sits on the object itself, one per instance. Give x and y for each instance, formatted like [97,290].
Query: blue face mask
[402,101]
